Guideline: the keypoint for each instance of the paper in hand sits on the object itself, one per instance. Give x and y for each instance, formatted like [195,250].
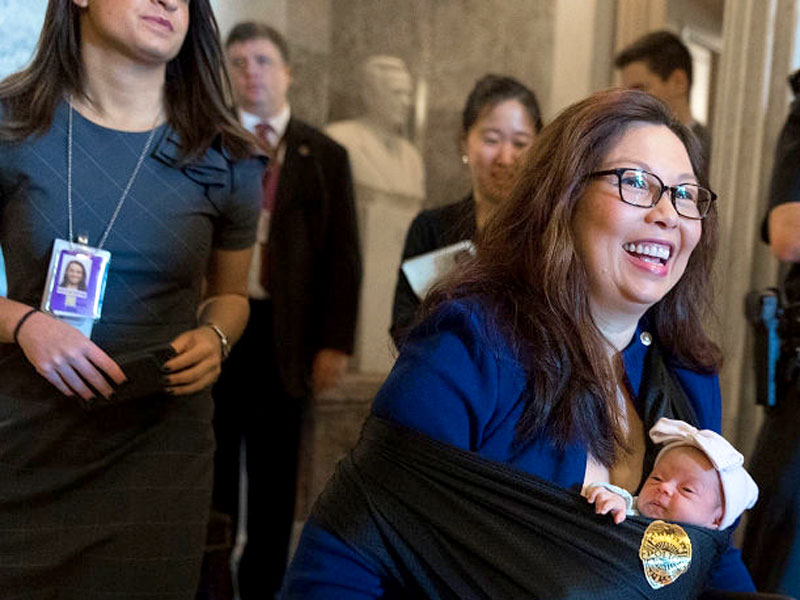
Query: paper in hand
[425,270]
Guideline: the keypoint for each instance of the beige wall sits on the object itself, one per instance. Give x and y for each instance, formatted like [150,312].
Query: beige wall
[230,12]
[447,44]
[583,40]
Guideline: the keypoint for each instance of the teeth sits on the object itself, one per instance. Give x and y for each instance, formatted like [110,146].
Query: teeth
[654,250]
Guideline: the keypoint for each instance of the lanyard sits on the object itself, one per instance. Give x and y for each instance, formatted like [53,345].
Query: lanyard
[84,239]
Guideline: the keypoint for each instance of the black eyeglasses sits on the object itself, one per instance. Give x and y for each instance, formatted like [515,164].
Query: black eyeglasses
[638,187]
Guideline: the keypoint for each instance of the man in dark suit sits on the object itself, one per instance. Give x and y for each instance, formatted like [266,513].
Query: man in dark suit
[304,284]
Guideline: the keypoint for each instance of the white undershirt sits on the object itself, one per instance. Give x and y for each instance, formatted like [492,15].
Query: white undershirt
[279,123]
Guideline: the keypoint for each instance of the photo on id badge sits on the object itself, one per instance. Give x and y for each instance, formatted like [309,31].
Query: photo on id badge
[76,281]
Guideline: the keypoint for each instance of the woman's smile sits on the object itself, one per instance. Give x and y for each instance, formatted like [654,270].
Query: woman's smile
[634,255]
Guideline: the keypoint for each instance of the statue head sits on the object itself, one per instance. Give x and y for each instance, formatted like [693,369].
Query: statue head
[387,91]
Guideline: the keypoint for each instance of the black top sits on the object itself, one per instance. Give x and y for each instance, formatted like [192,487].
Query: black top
[315,264]
[785,185]
[431,229]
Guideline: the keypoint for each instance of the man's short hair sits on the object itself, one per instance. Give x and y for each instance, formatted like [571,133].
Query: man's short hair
[251,30]
[662,51]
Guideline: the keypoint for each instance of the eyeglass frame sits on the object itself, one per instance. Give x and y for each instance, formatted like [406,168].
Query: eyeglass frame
[672,190]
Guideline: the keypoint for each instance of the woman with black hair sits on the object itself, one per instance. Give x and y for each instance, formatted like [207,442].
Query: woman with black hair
[118,139]
[499,122]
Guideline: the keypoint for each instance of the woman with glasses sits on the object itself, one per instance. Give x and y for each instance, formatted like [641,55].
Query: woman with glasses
[579,323]
[117,150]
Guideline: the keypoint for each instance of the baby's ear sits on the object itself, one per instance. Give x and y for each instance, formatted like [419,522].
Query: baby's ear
[718,517]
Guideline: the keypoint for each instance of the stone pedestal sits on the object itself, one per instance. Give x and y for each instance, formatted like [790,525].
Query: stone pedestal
[383,220]
[330,432]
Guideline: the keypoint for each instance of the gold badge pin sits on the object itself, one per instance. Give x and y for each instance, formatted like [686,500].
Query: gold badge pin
[665,552]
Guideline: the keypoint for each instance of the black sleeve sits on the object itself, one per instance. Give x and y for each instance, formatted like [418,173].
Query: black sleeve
[421,238]
[342,256]
[785,184]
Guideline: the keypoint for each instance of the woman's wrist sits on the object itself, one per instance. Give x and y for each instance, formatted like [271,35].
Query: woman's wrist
[228,313]
[224,344]
[21,322]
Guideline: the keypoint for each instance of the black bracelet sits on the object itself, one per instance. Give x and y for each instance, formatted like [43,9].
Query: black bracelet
[21,322]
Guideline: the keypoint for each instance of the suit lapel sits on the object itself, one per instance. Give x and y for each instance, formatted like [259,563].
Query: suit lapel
[290,166]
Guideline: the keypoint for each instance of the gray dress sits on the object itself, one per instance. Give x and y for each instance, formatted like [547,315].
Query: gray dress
[111,503]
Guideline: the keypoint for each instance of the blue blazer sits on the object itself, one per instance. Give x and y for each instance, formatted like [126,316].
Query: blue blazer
[453,384]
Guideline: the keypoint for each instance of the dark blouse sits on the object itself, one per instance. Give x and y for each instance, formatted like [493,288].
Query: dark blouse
[112,502]
[430,230]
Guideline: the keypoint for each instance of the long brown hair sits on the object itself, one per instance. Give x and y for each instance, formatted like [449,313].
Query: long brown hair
[196,86]
[529,276]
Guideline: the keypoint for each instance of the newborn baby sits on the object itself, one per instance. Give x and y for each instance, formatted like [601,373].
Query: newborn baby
[698,478]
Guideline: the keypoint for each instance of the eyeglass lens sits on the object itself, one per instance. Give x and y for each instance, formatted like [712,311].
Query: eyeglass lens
[645,189]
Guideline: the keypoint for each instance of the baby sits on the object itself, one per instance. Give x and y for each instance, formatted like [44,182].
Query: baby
[698,478]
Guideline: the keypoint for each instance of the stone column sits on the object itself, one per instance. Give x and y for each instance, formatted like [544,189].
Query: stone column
[583,31]
[637,17]
[758,36]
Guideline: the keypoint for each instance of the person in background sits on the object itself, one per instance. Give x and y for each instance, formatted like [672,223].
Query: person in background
[303,290]
[580,321]
[118,135]
[500,121]
[771,547]
[659,63]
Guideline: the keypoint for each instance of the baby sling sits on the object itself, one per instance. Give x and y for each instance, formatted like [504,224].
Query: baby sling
[444,523]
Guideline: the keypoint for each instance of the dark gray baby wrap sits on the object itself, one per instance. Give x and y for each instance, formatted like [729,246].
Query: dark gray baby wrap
[444,523]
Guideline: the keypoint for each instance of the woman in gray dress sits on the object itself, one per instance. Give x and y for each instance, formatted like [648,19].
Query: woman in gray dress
[118,136]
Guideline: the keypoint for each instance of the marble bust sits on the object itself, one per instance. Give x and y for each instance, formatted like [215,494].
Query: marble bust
[390,188]
[381,157]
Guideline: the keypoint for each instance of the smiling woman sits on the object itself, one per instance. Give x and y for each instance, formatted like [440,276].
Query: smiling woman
[107,443]
[543,360]
[500,121]
[634,255]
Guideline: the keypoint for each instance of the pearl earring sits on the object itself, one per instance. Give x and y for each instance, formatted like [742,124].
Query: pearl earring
[465,159]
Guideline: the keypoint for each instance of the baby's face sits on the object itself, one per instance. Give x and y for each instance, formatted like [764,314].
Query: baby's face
[683,486]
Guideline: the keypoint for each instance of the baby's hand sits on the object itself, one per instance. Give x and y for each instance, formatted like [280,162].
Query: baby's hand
[605,501]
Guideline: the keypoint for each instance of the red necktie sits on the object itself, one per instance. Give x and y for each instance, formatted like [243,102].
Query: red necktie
[269,188]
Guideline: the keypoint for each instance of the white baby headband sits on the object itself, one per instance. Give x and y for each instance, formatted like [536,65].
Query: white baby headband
[739,489]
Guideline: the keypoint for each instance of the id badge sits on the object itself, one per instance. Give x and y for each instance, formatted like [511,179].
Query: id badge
[76,283]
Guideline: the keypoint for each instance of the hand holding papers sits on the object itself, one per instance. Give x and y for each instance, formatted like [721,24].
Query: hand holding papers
[426,269]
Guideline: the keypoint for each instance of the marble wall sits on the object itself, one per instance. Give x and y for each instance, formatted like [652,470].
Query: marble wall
[447,46]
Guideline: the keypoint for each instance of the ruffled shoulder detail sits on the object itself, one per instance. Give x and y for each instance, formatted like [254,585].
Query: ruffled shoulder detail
[211,169]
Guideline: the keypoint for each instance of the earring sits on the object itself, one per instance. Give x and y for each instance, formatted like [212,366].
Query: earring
[465,159]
